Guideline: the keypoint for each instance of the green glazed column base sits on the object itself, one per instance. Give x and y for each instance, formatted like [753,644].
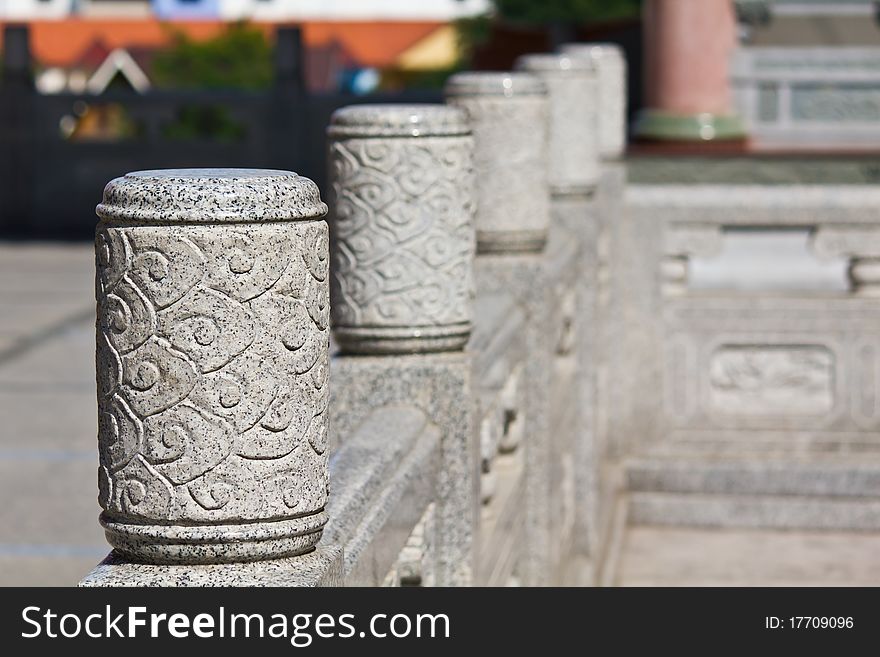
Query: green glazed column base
[656,124]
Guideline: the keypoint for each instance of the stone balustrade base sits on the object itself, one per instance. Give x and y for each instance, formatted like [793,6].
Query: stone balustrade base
[234,543]
[321,567]
[511,242]
[401,340]
[439,385]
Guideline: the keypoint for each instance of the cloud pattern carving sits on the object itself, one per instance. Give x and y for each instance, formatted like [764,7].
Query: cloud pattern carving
[212,362]
[403,231]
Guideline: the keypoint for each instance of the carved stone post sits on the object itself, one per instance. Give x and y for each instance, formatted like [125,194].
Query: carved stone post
[611,70]
[403,249]
[561,459]
[403,228]
[212,360]
[598,341]
[508,113]
[573,89]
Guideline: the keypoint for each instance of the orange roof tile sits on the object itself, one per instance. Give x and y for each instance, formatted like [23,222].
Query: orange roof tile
[378,44]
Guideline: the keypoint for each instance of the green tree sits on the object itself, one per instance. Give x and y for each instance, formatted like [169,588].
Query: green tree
[561,17]
[542,12]
[239,58]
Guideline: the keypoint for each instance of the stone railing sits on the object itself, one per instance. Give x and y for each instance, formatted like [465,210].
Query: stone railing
[745,339]
[404,399]
[809,97]
[491,356]
[735,346]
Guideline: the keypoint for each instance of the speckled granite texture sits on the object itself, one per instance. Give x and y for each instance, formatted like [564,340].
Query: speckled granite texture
[384,479]
[508,113]
[543,285]
[392,120]
[583,217]
[403,228]
[320,567]
[612,71]
[212,359]
[499,354]
[572,84]
[208,196]
[440,386]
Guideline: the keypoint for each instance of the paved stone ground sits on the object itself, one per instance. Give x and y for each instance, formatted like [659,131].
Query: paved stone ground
[49,533]
[661,556]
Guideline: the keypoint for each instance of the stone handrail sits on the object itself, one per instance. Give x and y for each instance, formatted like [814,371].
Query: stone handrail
[839,218]
[808,96]
[406,399]
[789,368]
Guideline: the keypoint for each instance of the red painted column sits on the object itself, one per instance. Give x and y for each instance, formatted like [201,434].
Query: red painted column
[688,45]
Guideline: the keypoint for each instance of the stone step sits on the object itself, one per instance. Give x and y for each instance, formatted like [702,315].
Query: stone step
[785,445]
[754,511]
[821,477]
[693,556]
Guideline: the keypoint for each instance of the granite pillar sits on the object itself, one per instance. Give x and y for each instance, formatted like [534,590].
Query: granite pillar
[508,114]
[688,46]
[572,85]
[611,70]
[403,231]
[543,283]
[403,246]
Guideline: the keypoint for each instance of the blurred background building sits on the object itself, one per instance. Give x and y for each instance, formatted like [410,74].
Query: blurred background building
[343,39]
[92,87]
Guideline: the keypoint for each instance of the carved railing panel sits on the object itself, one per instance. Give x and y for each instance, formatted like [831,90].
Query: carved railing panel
[787,366]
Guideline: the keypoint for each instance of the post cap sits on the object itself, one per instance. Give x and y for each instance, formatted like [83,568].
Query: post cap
[206,196]
[555,63]
[394,120]
[594,50]
[495,83]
